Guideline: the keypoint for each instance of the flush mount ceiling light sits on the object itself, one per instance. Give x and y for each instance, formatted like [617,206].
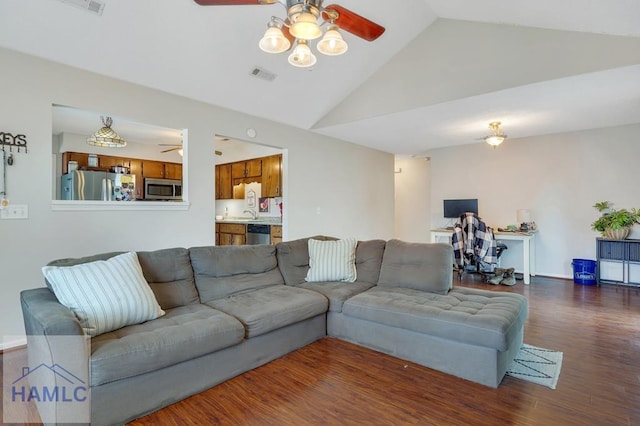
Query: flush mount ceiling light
[497,137]
[106,137]
[304,22]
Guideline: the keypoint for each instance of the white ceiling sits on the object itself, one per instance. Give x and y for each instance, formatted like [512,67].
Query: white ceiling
[442,70]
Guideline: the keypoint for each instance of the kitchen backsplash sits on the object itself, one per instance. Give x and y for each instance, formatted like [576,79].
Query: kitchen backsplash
[264,207]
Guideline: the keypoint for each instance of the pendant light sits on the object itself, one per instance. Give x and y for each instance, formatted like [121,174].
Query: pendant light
[332,43]
[302,55]
[106,137]
[498,137]
[274,40]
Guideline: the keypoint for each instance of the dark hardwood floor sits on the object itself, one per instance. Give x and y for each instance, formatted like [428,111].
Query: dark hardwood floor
[331,382]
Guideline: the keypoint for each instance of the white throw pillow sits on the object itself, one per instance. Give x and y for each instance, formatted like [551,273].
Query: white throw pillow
[332,260]
[105,295]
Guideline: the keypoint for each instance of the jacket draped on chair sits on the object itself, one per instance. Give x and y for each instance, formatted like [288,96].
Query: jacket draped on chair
[473,240]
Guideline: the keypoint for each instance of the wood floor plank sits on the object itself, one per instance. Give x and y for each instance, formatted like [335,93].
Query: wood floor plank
[332,382]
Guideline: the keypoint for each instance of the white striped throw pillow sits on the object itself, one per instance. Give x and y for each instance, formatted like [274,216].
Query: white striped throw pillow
[332,260]
[105,295]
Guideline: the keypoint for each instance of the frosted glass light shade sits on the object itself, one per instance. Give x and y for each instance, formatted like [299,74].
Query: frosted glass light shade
[302,55]
[305,27]
[274,41]
[332,43]
[494,140]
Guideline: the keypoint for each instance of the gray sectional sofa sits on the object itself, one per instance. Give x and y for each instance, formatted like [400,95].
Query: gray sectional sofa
[230,309]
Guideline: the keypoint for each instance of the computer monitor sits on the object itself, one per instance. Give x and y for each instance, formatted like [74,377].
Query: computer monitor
[456,208]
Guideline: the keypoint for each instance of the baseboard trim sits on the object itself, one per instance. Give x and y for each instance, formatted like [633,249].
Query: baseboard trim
[13,342]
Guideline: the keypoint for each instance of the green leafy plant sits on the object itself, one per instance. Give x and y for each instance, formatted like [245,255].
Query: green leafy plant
[614,219]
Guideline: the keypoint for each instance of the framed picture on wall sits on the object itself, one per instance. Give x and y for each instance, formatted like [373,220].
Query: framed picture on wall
[263,207]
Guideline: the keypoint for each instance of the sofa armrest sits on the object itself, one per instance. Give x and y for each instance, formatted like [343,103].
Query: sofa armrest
[56,340]
[43,314]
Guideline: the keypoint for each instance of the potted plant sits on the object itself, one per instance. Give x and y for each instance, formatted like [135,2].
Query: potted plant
[615,224]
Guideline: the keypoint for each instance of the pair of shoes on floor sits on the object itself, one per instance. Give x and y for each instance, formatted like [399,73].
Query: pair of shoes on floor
[503,276]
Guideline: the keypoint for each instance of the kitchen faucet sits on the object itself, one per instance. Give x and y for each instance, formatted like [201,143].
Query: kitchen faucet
[252,212]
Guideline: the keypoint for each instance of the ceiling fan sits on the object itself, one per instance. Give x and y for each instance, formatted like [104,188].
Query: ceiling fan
[175,147]
[303,23]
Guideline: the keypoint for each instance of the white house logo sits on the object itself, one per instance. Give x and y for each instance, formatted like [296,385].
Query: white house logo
[61,385]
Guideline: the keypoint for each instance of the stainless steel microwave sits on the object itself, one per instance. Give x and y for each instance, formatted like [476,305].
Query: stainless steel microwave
[163,189]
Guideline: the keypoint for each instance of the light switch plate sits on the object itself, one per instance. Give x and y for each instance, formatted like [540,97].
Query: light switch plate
[15,211]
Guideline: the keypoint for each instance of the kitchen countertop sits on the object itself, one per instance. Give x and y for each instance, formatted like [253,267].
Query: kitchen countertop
[258,221]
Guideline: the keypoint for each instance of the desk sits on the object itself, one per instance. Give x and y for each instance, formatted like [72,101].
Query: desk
[528,247]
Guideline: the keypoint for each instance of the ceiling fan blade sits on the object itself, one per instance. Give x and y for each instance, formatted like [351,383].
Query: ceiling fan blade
[171,149]
[233,2]
[168,144]
[354,23]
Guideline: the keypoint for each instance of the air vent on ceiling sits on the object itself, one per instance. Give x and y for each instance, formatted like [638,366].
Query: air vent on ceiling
[94,6]
[262,74]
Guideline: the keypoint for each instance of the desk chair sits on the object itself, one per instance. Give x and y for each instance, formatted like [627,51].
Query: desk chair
[474,245]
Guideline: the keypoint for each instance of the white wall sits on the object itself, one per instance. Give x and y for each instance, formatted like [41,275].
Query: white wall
[350,186]
[558,177]
[412,199]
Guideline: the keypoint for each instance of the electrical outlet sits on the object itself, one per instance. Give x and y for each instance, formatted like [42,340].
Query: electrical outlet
[15,211]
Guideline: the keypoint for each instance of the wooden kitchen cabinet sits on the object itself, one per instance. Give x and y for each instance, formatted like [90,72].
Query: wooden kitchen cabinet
[246,169]
[272,176]
[152,169]
[107,162]
[81,157]
[224,185]
[276,234]
[232,177]
[231,234]
[135,168]
[173,171]
[161,170]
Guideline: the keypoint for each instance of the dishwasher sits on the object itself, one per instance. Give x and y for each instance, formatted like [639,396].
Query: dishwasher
[258,234]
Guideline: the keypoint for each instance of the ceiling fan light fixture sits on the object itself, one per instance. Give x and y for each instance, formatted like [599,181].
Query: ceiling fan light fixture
[302,56]
[332,43]
[494,140]
[304,25]
[498,137]
[274,40]
[106,137]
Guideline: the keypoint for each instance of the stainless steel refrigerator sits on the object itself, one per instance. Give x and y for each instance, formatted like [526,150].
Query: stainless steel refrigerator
[93,185]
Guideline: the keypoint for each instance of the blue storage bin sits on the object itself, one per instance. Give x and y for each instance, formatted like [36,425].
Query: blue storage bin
[584,271]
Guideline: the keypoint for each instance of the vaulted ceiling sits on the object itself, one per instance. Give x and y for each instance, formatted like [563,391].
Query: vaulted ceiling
[439,74]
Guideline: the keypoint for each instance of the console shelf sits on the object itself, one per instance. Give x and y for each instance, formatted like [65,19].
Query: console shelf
[618,262]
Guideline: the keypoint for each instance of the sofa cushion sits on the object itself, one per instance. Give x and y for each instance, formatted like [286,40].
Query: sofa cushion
[227,270]
[72,261]
[170,276]
[105,294]
[184,333]
[420,266]
[476,317]
[369,259]
[332,260]
[293,259]
[337,292]
[270,308]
